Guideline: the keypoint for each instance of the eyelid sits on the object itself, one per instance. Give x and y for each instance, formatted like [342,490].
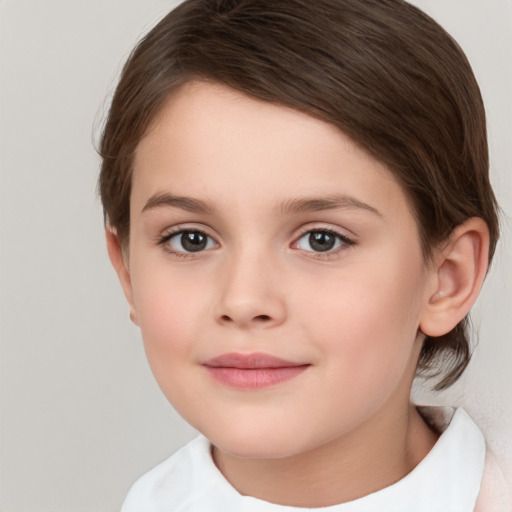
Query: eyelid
[173,231]
[347,241]
[329,228]
[178,228]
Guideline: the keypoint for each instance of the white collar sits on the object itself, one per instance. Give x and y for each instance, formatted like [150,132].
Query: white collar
[448,479]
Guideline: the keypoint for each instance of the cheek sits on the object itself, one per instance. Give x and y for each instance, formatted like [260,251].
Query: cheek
[367,322]
[169,313]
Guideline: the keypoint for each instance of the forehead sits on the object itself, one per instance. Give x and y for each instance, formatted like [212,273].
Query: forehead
[214,143]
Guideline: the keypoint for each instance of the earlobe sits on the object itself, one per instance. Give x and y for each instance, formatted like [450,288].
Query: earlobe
[460,269]
[118,260]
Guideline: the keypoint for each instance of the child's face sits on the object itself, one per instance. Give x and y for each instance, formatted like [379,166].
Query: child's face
[288,240]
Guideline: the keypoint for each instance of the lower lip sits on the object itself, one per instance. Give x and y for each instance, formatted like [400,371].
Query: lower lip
[254,378]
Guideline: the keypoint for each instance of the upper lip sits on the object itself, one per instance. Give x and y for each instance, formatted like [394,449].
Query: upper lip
[249,361]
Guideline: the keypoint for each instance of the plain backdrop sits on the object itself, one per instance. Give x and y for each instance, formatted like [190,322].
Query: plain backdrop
[81,417]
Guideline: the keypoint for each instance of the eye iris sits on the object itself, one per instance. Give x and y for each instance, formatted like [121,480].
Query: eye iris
[321,241]
[193,241]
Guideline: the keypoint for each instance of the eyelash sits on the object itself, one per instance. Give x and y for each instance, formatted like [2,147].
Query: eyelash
[343,241]
[163,241]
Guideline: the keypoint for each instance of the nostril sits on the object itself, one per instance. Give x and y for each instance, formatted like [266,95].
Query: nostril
[245,320]
[262,318]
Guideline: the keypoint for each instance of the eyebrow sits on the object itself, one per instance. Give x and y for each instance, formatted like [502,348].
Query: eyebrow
[184,203]
[293,205]
[317,204]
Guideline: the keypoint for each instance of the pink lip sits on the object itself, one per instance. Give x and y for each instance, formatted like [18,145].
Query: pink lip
[252,371]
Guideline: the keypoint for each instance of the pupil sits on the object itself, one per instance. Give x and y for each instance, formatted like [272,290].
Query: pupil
[321,241]
[193,242]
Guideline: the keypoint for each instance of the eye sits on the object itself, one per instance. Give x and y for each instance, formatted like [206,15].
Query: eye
[188,241]
[322,240]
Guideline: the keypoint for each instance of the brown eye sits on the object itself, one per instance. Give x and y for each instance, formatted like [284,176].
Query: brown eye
[189,241]
[321,240]
[192,241]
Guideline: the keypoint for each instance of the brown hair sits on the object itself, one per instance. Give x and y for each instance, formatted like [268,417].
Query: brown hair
[381,70]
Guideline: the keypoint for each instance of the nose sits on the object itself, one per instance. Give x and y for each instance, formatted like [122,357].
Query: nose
[250,294]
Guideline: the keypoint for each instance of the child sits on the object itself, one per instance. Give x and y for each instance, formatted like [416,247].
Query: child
[298,208]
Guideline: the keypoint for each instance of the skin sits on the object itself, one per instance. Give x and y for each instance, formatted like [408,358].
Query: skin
[355,314]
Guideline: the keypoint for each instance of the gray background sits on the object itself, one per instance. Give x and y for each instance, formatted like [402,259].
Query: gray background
[81,417]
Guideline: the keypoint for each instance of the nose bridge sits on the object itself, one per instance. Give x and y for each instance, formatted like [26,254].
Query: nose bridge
[250,294]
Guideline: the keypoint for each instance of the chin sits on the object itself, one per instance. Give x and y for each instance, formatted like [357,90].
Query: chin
[257,443]
[256,450]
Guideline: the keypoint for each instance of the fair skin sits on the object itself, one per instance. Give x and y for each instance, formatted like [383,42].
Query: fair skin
[259,229]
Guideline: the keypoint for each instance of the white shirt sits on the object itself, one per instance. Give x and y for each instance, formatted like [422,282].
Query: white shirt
[448,479]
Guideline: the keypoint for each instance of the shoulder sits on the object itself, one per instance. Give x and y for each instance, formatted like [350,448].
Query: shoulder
[170,485]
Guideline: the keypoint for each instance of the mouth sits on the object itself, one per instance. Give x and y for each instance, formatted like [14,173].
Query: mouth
[252,371]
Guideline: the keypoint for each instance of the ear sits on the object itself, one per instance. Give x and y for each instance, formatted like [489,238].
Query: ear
[459,271]
[119,262]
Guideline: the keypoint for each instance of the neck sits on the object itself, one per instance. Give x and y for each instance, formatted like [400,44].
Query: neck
[342,470]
